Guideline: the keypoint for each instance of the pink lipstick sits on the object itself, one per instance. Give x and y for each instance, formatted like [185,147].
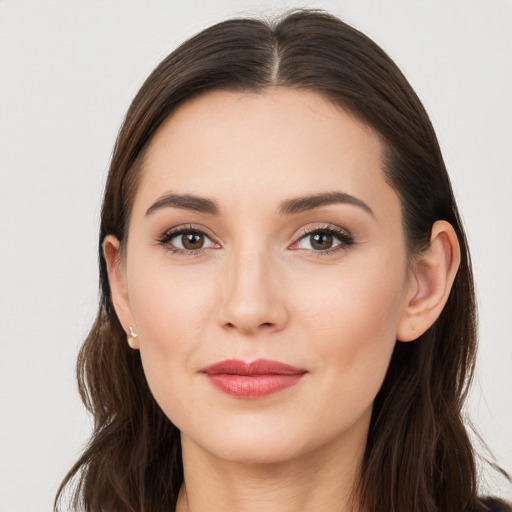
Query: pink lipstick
[252,380]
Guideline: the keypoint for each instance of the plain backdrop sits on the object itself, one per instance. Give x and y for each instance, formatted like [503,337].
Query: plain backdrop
[68,71]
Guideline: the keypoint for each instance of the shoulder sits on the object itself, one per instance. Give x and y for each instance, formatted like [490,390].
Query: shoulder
[496,505]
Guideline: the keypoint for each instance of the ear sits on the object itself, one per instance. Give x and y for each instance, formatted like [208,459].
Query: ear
[118,288]
[430,282]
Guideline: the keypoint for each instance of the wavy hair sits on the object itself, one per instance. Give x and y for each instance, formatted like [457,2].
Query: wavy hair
[418,454]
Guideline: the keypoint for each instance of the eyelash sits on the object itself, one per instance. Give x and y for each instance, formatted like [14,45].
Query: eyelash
[346,239]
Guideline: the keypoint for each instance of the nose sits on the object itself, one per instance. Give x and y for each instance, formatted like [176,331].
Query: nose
[253,298]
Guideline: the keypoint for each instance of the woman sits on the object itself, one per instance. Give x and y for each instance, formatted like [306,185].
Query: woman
[287,318]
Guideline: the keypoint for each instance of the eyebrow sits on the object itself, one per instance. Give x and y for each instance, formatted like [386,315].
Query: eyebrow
[287,207]
[185,202]
[305,203]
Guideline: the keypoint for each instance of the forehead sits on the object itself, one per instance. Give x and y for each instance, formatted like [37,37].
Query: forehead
[240,147]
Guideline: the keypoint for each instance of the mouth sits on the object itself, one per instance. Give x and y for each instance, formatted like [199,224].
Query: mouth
[252,380]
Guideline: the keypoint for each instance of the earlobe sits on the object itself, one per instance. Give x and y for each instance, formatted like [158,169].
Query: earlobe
[431,282]
[118,287]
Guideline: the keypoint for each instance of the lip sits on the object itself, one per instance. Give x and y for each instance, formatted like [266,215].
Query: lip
[257,379]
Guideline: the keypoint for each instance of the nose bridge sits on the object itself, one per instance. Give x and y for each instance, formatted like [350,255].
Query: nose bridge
[251,298]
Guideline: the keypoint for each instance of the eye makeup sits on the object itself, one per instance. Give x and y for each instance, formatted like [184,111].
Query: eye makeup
[191,236]
[320,234]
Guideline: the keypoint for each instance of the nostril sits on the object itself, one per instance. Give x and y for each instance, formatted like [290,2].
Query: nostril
[230,325]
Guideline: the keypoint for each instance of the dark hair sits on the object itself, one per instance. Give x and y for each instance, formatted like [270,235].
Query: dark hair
[418,455]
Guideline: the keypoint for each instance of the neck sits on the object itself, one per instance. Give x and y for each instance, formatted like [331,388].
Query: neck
[322,479]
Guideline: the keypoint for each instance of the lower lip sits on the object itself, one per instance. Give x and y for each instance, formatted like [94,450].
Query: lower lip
[255,386]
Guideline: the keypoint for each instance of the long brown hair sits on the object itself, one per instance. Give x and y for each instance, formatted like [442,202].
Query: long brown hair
[418,454]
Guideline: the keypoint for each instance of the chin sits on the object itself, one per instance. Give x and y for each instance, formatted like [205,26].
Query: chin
[258,443]
[255,452]
[246,445]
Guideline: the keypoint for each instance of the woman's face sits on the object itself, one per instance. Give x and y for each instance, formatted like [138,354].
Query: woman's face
[293,252]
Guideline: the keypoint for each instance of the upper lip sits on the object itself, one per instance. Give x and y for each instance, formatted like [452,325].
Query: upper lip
[258,367]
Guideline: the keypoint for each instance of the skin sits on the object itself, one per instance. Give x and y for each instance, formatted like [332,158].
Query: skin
[261,289]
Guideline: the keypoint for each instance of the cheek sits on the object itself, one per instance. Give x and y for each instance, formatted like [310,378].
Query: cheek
[169,303]
[362,300]
[171,312]
[351,320]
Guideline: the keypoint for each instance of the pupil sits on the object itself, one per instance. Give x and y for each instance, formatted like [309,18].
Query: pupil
[322,241]
[192,241]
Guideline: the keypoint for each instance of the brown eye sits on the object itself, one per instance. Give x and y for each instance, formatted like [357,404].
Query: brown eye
[321,241]
[192,240]
[325,240]
[186,240]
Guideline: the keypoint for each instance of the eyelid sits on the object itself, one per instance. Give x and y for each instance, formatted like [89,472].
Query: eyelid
[176,231]
[344,237]
[322,227]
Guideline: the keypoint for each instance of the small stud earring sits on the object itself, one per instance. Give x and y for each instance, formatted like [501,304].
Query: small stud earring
[133,334]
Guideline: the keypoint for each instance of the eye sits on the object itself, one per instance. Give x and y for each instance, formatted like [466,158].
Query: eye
[186,240]
[324,240]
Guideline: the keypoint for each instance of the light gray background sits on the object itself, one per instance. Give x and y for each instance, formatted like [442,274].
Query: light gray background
[68,71]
